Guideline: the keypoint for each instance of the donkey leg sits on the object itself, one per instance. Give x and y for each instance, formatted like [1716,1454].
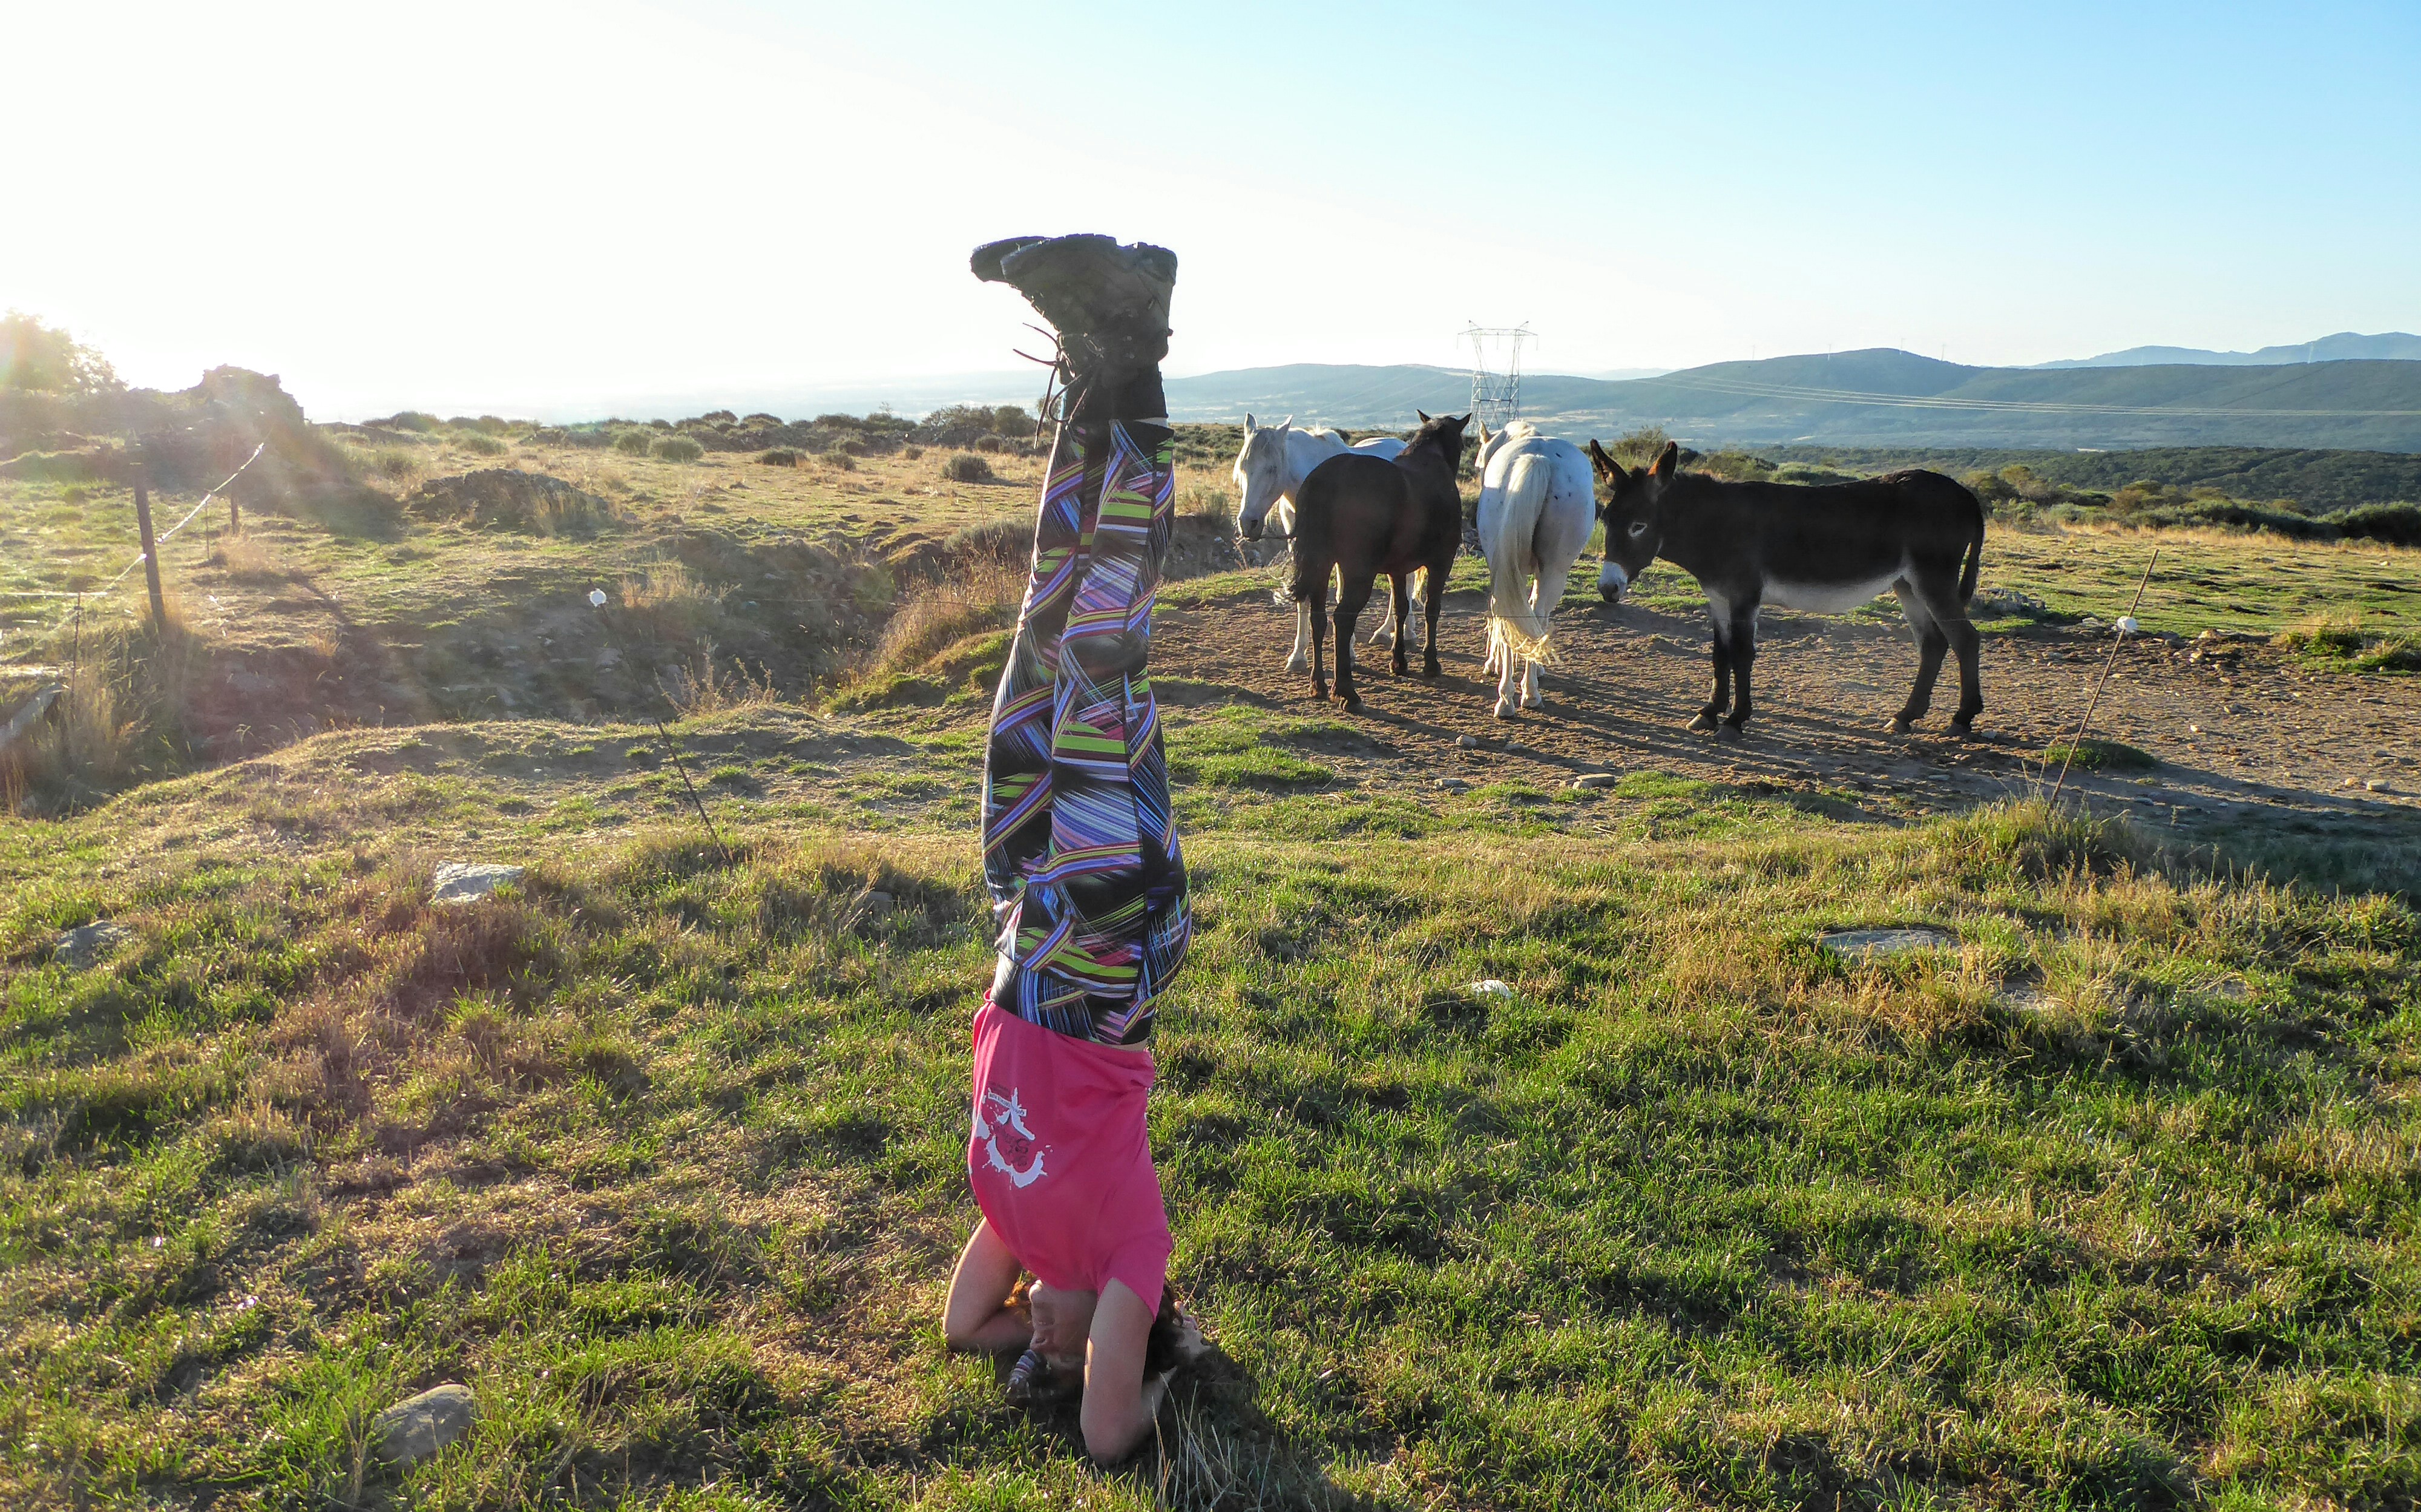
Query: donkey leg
[1719,701]
[1350,597]
[1951,625]
[1744,639]
[1530,699]
[1507,678]
[1400,614]
[1931,643]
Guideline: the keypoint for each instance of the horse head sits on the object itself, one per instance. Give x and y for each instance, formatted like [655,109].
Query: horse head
[1260,474]
[1443,433]
[1634,516]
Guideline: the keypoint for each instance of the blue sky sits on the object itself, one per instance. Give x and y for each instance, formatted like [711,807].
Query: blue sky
[541,204]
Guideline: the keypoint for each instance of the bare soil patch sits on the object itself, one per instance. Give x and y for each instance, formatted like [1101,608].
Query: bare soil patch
[2232,723]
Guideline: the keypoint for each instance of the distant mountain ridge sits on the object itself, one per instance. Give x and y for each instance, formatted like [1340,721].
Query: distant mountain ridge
[1881,398]
[2346,345]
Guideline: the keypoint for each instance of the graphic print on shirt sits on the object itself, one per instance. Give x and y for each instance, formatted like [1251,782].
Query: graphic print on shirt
[1007,1124]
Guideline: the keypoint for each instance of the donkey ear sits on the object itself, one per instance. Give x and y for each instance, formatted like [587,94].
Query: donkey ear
[1249,422]
[1668,462]
[1287,423]
[1483,435]
[1424,414]
[1606,466]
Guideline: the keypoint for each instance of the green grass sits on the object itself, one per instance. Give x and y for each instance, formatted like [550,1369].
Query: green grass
[662,1155]
[660,1151]
[2092,754]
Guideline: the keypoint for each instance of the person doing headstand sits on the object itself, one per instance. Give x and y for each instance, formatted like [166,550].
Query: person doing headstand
[1086,881]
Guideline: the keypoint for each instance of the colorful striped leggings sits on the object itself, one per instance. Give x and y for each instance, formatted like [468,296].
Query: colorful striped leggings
[1080,850]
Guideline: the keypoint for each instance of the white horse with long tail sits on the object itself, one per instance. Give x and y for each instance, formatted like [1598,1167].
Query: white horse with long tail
[1274,463]
[1538,504]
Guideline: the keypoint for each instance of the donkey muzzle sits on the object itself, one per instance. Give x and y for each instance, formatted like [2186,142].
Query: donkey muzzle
[1611,581]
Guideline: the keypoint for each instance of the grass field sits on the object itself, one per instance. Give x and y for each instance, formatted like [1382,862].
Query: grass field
[2109,1203]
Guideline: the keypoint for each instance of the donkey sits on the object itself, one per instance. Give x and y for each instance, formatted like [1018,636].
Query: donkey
[1362,516]
[1538,505]
[1269,470]
[1825,549]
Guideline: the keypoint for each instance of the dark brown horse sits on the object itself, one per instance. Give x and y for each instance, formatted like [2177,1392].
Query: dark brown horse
[1361,516]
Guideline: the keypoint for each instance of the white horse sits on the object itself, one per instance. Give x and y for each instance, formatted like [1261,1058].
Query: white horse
[1538,504]
[1274,463]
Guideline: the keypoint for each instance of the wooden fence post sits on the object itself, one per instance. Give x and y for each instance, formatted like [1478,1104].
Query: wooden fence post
[235,511]
[151,553]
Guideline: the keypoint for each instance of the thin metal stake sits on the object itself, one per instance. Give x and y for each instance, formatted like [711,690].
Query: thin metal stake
[2099,682]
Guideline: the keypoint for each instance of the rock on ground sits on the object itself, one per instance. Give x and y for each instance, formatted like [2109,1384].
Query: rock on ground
[418,1426]
[82,946]
[1870,943]
[459,882]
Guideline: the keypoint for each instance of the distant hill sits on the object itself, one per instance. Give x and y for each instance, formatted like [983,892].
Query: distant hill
[2388,345]
[1877,397]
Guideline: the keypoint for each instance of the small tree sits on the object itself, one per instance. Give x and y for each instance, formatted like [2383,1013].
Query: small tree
[43,359]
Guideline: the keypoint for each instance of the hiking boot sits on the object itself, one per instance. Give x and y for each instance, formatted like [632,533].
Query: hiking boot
[1109,304]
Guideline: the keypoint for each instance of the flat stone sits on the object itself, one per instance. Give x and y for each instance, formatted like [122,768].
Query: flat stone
[1597,779]
[418,1426]
[1867,943]
[2377,785]
[82,946]
[1451,785]
[459,882]
[1469,742]
[1489,988]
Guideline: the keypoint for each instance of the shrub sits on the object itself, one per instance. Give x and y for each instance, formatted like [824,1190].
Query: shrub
[479,446]
[966,467]
[413,420]
[841,460]
[760,418]
[840,422]
[634,441]
[911,453]
[778,457]
[2399,524]
[678,449]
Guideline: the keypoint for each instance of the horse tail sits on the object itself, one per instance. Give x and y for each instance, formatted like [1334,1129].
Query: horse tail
[1513,622]
[1311,511]
[1975,553]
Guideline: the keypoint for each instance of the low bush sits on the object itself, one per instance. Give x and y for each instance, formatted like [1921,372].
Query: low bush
[966,467]
[634,441]
[841,460]
[677,450]
[481,446]
[2398,524]
[778,457]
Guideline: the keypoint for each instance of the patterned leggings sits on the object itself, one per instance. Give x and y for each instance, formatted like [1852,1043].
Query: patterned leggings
[1080,850]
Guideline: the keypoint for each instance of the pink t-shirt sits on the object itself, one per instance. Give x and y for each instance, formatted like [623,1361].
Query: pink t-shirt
[1061,1160]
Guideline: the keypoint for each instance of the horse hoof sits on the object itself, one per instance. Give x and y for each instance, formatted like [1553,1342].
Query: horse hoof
[1320,693]
[1534,702]
[1353,705]
[1504,710]
[1730,731]
[1702,724]
[1901,726]
[1962,728]
[1430,669]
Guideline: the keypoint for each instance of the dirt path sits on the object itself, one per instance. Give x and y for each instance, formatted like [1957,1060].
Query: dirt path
[2233,723]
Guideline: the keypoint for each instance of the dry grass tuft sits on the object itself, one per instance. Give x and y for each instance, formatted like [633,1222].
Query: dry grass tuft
[704,687]
[982,599]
